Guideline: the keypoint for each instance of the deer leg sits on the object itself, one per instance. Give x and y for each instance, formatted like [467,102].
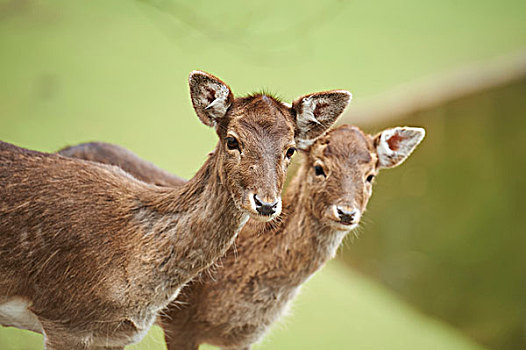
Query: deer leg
[247,347]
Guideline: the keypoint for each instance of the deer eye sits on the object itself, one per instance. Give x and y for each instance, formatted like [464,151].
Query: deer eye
[318,170]
[290,152]
[232,143]
[369,178]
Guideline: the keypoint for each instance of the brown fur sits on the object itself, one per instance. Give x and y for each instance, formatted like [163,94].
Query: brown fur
[233,305]
[96,253]
[124,159]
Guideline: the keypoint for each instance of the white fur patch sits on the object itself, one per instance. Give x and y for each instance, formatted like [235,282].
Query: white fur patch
[252,202]
[219,105]
[278,208]
[307,115]
[14,313]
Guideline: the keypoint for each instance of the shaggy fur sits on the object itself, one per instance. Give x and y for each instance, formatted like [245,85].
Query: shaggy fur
[93,254]
[124,159]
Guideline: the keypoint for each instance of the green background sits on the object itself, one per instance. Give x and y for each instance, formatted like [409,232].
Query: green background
[443,236]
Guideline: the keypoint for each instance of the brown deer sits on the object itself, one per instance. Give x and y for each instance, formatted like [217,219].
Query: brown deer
[89,254]
[235,304]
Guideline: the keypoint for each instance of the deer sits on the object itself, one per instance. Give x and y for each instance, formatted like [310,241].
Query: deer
[89,254]
[235,303]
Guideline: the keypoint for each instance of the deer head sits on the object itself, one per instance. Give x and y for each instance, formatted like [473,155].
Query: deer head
[258,136]
[342,165]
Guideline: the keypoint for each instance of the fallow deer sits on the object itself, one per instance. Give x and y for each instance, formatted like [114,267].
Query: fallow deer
[89,254]
[235,304]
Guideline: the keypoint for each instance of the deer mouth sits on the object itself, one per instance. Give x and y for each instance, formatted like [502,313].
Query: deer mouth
[260,210]
[346,223]
[343,226]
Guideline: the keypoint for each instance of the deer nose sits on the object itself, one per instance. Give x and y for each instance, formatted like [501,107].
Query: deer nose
[346,216]
[265,208]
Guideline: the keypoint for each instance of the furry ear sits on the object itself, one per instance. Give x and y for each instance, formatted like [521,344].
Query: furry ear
[393,146]
[316,113]
[210,96]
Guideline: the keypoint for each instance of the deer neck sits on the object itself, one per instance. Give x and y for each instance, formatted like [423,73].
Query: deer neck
[299,244]
[189,227]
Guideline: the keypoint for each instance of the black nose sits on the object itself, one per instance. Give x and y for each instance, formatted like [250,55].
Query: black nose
[346,217]
[265,208]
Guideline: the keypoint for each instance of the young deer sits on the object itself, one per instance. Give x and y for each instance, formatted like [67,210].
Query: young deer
[89,254]
[234,305]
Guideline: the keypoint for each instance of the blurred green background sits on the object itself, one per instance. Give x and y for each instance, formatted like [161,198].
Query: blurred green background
[440,260]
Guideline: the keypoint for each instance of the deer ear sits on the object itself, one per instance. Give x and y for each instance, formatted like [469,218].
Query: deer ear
[316,113]
[393,146]
[210,96]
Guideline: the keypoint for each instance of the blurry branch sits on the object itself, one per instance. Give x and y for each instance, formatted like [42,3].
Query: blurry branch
[239,39]
[438,89]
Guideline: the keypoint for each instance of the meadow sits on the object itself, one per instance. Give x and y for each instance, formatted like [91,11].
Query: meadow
[117,71]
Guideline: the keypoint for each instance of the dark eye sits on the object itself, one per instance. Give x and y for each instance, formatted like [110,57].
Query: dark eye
[369,178]
[318,170]
[232,143]
[290,152]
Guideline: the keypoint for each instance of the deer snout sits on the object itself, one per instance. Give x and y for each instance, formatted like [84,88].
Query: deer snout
[346,216]
[261,208]
[266,208]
